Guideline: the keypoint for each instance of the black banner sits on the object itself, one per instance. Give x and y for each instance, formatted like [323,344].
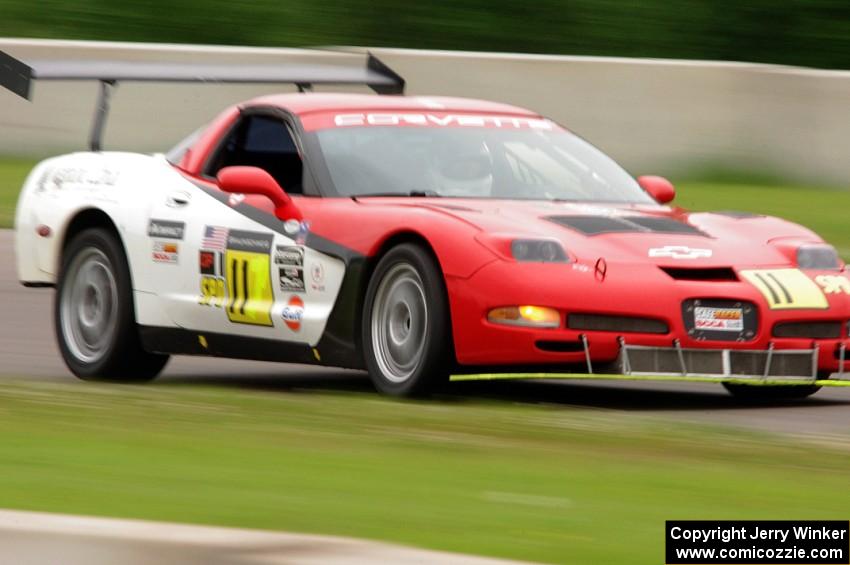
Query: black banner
[694,542]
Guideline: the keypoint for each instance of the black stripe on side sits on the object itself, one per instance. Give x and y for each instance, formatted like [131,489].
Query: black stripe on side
[187,342]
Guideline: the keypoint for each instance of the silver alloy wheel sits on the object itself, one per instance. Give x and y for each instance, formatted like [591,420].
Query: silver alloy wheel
[89,305]
[399,322]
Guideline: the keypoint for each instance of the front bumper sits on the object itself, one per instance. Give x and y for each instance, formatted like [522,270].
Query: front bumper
[634,290]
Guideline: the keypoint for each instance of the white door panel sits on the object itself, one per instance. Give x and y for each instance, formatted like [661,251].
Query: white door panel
[233,275]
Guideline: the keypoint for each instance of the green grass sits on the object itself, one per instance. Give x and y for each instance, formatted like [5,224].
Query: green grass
[542,483]
[821,209]
[13,172]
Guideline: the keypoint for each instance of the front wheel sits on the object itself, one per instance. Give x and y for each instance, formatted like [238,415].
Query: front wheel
[406,327]
[94,315]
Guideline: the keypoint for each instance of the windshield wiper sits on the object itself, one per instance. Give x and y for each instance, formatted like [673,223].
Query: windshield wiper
[420,193]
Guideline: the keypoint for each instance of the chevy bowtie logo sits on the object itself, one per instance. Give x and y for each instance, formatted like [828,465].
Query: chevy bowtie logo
[679,252]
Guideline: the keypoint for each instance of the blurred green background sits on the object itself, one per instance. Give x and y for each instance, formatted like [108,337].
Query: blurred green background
[798,32]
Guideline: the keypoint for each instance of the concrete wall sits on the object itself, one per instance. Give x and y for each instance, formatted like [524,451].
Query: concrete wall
[658,116]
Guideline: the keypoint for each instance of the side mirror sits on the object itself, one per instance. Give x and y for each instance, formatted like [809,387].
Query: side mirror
[659,188]
[254,180]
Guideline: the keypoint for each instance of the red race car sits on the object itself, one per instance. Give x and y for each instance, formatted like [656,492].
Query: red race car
[415,237]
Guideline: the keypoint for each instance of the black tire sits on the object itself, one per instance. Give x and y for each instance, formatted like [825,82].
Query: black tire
[394,364]
[117,355]
[758,393]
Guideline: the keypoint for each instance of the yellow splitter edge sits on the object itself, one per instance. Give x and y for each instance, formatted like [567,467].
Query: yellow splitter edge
[662,378]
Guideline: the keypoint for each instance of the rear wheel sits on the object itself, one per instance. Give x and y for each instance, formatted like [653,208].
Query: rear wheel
[406,329]
[777,392]
[94,315]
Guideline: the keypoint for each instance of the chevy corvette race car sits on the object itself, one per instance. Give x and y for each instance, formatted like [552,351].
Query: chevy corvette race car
[414,237]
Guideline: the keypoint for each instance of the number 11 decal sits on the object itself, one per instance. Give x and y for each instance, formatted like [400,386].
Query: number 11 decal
[248,277]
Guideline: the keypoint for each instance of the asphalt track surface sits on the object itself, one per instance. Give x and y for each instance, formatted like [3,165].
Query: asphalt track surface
[28,349]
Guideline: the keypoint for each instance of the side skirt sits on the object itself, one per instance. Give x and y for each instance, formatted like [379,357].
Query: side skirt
[180,341]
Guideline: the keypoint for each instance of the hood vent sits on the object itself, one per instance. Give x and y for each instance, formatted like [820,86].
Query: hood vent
[710,274]
[595,225]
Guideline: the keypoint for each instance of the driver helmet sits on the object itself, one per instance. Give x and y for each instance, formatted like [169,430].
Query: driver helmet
[463,167]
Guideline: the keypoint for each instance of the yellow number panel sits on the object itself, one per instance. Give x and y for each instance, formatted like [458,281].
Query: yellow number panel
[249,287]
[786,289]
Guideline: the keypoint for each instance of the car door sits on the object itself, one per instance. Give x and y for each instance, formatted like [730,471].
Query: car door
[239,270]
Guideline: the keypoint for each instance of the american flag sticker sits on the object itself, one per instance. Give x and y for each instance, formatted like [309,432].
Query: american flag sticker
[215,238]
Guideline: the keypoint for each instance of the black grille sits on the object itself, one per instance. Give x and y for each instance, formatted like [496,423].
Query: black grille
[595,225]
[812,330]
[607,323]
[559,346]
[714,274]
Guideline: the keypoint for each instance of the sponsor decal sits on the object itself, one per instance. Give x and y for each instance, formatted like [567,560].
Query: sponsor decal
[235,268]
[293,313]
[440,119]
[165,252]
[786,289]
[317,277]
[208,262]
[166,229]
[291,279]
[718,319]
[833,284]
[240,240]
[213,291]
[80,177]
[679,252]
[289,255]
[290,261]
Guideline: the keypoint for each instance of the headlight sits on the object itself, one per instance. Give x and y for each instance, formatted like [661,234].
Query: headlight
[528,316]
[538,250]
[817,256]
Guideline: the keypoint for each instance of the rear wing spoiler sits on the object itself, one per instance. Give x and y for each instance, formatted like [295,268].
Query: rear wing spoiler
[18,76]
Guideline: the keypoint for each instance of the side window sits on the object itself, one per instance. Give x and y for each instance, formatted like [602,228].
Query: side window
[264,142]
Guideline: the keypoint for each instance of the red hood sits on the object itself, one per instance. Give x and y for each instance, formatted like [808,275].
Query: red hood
[628,233]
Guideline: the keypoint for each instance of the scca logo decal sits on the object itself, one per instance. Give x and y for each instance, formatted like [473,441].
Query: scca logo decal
[293,313]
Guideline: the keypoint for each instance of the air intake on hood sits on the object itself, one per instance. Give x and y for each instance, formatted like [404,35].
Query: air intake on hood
[711,274]
[595,225]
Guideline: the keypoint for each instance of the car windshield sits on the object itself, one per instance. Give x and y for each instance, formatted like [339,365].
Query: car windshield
[479,162]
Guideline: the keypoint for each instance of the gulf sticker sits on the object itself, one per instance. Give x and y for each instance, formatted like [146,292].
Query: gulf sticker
[786,289]
[293,313]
